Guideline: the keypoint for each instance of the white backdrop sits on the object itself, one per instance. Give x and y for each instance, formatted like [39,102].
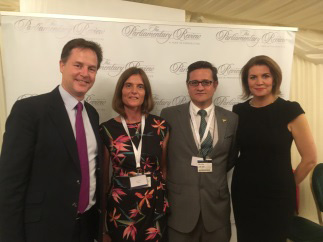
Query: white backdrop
[32,44]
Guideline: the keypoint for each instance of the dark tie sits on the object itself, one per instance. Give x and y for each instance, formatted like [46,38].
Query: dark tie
[84,160]
[206,146]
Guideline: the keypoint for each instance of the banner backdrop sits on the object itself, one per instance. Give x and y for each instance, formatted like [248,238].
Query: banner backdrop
[32,45]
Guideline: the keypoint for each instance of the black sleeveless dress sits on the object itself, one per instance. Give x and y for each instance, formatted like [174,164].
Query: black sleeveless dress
[263,185]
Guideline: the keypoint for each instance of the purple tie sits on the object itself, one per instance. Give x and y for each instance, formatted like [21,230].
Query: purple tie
[84,160]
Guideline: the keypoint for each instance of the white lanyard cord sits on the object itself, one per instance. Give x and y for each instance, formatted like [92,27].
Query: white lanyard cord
[196,129]
[137,152]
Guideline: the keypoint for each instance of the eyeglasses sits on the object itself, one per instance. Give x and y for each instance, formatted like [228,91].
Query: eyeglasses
[205,83]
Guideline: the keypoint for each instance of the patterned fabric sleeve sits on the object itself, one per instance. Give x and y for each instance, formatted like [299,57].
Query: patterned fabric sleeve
[161,126]
[235,108]
[105,135]
[293,111]
[167,129]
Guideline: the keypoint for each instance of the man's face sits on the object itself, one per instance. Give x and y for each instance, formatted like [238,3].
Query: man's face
[201,95]
[79,71]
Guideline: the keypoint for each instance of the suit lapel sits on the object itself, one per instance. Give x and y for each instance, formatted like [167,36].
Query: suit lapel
[62,122]
[221,121]
[185,121]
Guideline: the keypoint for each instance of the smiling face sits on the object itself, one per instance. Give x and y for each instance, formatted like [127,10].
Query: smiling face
[260,81]
[200,95]
[78,72]
[133,92]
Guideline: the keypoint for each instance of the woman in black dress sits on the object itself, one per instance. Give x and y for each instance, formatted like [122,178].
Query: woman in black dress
[263,183]
[135,142]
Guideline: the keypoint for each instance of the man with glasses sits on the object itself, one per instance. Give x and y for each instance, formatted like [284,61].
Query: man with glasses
[201,150]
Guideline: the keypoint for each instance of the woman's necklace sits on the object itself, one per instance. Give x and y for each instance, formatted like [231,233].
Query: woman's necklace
[136,125]
[251,103]
[137,129]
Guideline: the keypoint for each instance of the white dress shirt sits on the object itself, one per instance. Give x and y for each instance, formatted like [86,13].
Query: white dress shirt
[92,146]
[195,117]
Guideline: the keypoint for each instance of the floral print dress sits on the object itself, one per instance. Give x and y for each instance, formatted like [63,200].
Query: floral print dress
[137,214]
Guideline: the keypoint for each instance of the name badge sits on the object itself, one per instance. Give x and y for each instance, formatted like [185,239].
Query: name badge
[204,165]
[138,181]
[148,181]
[195,160]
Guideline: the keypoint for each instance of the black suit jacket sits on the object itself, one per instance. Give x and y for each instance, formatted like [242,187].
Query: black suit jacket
[40,172]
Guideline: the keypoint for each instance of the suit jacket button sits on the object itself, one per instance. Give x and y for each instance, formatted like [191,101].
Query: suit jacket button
[78,182]
[74,205]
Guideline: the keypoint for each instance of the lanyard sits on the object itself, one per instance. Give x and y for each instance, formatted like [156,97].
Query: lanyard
[196,129]
[137,152]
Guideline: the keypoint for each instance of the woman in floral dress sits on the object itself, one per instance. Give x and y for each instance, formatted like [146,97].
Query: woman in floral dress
[135,142]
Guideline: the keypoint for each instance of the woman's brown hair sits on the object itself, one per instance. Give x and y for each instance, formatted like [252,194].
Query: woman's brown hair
[259,61]
[117,103]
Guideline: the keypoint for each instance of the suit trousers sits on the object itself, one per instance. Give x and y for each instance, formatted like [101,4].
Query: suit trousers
[85,227]
[199,234]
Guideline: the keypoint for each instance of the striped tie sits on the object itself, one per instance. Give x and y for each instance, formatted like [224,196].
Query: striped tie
[206,146]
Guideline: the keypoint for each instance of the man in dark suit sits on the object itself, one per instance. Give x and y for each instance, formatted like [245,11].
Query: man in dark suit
[50,160]
[201,149]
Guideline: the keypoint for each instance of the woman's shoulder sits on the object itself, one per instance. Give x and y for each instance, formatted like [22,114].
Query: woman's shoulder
[105,130]
[288,103]
[291,106]
[290,109]
[240,106]
[157,120]
[152,117]
[108,123]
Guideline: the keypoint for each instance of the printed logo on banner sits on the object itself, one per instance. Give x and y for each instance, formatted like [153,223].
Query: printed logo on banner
[226,101]
[89,98]
[161,102]
[100,104]
[178,68]
[115,69]
[222,101]
[58,28]
[162,34]
[228,71]
[95,101]
[253,38]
